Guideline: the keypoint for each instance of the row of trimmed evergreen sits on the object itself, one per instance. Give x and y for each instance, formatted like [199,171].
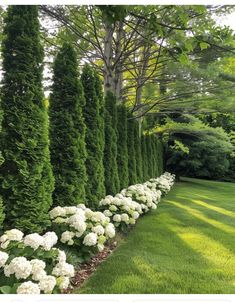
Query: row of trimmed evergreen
[89,147]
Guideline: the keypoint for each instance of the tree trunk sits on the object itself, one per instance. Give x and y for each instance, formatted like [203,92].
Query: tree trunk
[108,58]
[118,68]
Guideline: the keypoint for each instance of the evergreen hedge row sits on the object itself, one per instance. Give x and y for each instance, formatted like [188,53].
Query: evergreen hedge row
[96,146]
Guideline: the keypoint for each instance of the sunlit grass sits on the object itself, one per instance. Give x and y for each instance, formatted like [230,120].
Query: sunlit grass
[186,246]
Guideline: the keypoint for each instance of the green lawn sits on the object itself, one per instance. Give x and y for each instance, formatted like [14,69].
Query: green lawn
[186,246]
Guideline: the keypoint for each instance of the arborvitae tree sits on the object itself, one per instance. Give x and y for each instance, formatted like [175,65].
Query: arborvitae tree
[2,215]
[144,158]
[26,176]
[122,150]
[155,156]
[94,161]
[131,150]
[149,155]
[138,155]
[112,183]
[99,93]
[160,154]
[67,130]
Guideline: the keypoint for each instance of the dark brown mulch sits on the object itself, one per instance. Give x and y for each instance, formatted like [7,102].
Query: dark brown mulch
[87,269]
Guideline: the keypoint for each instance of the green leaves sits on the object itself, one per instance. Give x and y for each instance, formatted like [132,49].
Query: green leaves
[67,130]
[6,289]
[26,176]
[204,45]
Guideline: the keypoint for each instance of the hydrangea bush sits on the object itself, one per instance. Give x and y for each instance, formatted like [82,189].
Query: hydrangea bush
[83,228]
[32,265]
[127,206]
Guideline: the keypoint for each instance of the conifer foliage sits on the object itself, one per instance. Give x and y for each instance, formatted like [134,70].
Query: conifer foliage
[112,183]
[131,150]
[122,150]
[26,177]
[2,215]
[138,154]
[99,93]
[94,162]
[67,130]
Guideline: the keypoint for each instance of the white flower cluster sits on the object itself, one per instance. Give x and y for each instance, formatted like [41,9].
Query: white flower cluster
[126,207]
[162,183]
[41,277]
[34,240]
[121,209]
[92,228]
[36,270]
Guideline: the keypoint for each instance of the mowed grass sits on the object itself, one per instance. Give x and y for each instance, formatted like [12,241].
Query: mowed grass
[186,246]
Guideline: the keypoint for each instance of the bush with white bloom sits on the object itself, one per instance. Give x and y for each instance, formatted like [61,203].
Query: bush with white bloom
[33,263]
[127,206]
[33,258]
[28,288]
[82,227]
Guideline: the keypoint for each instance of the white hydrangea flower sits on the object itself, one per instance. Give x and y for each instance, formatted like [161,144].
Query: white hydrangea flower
[61,256]
[102,239]
[81,206]
[113,208]
[132,220]
[61,220]
[57,211]
[154,206]
[99,230]
[63,269]
[19,266]
[125,217]
[64,282]
[117,218]
[47,284]
[79,226]
[28,288]
[49,240]
[88,213]
[14,235]
[67,236]
[90,239]
[39,275]
[37,265]
[70,210]
[108,213]
[110,230]
[135,215]
[3,258]
[33,240]
[100,247]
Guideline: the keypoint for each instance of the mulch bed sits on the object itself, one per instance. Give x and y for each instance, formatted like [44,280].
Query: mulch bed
[87,269]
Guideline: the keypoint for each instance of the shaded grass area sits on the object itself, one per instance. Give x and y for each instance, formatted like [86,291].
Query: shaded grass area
[186,246]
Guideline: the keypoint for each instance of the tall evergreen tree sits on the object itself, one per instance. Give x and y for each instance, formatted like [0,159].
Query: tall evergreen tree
[122,150]
[26,176]
[138,155]
[131,151]
[144,158]
[67,130]
[149,155]
[160,154]
[2,215]
[94,161]
[99,93]
[112,183]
